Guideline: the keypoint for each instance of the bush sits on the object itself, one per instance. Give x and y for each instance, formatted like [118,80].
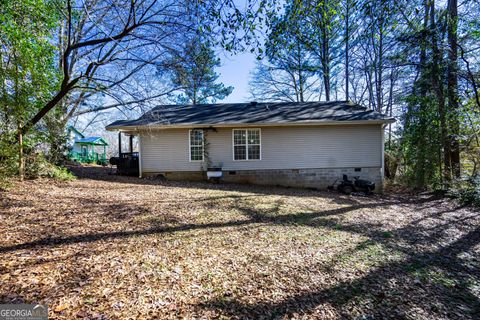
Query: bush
[8,163]
[467,191]
[38,166]
[60,173]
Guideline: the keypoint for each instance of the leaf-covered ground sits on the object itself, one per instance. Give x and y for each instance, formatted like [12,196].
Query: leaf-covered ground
[110,247]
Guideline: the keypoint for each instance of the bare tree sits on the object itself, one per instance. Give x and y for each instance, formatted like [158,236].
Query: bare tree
[111,41]
[282,83]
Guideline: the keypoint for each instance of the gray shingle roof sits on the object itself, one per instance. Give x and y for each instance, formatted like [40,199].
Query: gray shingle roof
[253,113]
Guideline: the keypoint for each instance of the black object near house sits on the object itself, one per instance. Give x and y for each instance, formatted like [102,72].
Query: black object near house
[127,163]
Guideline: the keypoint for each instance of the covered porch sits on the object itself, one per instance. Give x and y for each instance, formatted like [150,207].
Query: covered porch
[87,151]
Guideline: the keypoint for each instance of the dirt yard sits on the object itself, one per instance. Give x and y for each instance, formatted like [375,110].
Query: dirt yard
[108,247]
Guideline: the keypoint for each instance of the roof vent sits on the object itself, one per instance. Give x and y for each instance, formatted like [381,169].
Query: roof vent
[253,103]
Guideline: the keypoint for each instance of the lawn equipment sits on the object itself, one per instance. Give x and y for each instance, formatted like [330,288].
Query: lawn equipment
[358,185]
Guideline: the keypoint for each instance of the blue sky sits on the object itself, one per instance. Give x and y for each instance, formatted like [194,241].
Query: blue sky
[235,71]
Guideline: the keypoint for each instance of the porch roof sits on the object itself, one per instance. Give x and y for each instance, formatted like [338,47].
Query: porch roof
[97,141]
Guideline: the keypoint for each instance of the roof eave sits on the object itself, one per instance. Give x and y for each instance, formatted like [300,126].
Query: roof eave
[94,142]
[75,129]
[236,125]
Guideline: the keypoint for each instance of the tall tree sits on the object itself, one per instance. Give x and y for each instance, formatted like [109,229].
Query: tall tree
[348,7]
[193,73]
[118,30]
[323,37]
[452,89]
[288,70]
[421,135]
[27,70]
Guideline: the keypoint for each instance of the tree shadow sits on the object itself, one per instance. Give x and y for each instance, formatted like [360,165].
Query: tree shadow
[106,174]
[457,300]
[424,246]
[102,236]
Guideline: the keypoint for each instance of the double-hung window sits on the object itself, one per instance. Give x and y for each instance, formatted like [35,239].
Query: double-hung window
[196,145]
[246,144]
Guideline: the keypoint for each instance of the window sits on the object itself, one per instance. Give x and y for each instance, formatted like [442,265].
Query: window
[196,145]
[246,144]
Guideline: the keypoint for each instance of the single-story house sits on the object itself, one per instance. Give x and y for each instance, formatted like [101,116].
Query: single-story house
[85,149]
[308,144]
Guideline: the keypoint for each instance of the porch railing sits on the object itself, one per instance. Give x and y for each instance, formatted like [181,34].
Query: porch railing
[88,158]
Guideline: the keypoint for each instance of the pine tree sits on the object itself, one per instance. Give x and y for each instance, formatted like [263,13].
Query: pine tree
[194,74]
[288,67]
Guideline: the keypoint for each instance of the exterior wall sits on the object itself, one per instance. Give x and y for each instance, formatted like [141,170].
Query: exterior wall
[281,148]
[307,156]
[77,148]
[319,178]
[73,137]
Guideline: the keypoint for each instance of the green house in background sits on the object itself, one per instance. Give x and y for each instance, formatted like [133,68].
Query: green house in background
[86,149]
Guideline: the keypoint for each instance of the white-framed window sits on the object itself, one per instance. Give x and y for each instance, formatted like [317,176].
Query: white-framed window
[246,144]
[196,145]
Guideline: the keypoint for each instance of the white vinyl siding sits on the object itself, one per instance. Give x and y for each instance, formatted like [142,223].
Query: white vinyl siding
[295,147]
[166,150]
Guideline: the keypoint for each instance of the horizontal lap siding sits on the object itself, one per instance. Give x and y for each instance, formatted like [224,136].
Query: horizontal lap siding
[282,148]
[166,150]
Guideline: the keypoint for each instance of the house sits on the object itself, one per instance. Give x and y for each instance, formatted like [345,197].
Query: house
[308,144]
[85,149]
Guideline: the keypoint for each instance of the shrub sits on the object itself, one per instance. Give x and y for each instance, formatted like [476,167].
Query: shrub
[467,191]
[60,173]
[8,163]
[38,166]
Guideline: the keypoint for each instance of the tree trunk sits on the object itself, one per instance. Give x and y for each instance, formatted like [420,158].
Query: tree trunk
[347,38]
[326,62]
[379,68]
[390,106]
[438,87]
[452,88]
[194,98]
[326,74]
[300,74]
[21,159]
[420,156]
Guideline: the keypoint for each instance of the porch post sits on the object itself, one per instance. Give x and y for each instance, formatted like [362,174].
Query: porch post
[119,143]
[131,143]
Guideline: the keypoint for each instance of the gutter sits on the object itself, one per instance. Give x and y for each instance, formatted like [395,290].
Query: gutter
[247,125]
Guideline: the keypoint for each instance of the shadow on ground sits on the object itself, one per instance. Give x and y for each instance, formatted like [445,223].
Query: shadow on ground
[439,269]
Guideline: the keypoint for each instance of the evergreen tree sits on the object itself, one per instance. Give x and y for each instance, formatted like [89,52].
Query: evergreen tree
[323,38]
[194,74]
[28,74]
[288,70]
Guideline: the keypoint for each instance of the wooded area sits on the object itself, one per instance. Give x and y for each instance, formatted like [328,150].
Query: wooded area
[416,60]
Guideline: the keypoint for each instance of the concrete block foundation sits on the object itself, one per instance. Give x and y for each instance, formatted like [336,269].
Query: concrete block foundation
[319,178]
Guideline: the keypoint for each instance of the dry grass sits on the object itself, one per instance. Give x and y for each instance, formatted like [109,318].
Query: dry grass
[112,247]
